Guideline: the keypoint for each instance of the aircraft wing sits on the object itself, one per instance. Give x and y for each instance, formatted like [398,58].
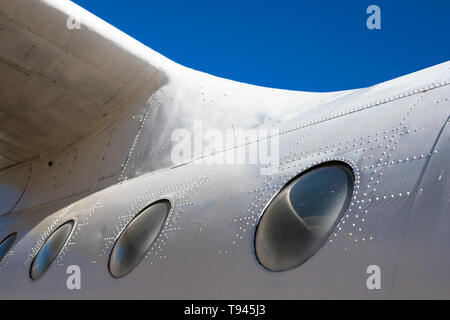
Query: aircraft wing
[57,82]
[91,123]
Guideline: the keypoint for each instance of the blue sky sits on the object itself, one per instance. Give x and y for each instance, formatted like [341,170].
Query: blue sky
[299,45]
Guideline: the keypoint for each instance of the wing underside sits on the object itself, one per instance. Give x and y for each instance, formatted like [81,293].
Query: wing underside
[59,82]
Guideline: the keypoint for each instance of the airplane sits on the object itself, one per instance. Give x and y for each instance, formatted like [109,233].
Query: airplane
[124,175]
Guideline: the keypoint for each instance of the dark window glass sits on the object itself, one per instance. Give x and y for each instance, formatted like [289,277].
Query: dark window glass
[301,217]
[6,244]
[137,238]
[50,250]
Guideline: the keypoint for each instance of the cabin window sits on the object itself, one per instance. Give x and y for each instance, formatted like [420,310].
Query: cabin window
[302,216]
[6,244]
[137,238]
[50,250]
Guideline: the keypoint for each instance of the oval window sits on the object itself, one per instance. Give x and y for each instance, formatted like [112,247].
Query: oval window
[302,216]
[6,244]
[50,250]
[137,238]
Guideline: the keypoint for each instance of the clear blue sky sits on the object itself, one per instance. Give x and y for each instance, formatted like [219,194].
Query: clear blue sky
[300,45]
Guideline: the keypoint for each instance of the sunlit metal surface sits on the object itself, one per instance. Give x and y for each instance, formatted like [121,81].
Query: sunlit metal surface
[92,142]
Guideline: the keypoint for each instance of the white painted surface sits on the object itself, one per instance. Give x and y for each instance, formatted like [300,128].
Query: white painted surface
[106,169]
